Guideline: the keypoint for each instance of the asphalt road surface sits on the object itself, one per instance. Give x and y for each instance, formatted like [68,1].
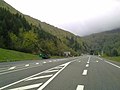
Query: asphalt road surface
[76,73]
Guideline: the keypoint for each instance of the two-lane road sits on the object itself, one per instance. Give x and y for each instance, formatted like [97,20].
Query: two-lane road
[78,73]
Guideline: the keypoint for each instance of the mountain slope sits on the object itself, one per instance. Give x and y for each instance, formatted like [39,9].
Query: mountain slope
[24,33]
[107,42]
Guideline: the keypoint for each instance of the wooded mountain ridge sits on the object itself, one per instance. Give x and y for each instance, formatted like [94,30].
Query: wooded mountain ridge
[24,33]
[107,43]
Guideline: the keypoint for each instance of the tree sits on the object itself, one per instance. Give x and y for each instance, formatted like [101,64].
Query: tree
[114,52]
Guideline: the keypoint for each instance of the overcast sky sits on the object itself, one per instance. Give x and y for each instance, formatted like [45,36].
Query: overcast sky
[81,17]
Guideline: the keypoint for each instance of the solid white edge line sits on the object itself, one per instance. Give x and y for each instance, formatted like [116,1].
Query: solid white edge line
[27,87]
[84,72]
[46,83]
[112,64]
[80,87]
[99,58]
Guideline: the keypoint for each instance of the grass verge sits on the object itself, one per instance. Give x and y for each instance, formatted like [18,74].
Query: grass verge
[10,55]
[114,58]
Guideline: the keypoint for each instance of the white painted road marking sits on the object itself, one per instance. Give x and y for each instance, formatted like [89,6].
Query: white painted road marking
[37,63]
[27,87]
[12,68]
[80,87]
[27,65]
[84,72]
[64,65]
[44,62]
[57,67]
[49,71]
[112,64]
[17,70]
[96,61]
[87,65]
[34,78]
[46,83]
[88,60]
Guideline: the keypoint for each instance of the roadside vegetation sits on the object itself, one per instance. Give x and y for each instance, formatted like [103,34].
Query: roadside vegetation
[19,34]
[113,58]
[10,55]
[23,33]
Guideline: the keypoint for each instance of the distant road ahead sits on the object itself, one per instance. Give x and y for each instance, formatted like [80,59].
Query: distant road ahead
[78,73]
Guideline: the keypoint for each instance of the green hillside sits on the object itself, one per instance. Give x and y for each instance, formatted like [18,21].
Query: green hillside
[10,55]
[107,42]
[24,33]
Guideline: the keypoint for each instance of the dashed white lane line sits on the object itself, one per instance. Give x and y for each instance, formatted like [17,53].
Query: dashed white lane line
[85,72]
[80,87]
[88,60]
[40,77]
[112,64]
[12,68]
[96,61]
[44,62]
[27,65]
[27,87]
[37,63]
[79,61]
[87,65]
[18,70]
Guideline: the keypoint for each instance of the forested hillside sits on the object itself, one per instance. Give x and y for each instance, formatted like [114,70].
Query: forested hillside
[23,33]
[107,42]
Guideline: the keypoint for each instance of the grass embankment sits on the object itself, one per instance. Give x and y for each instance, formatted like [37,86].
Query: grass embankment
[114,58]
[10,55]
